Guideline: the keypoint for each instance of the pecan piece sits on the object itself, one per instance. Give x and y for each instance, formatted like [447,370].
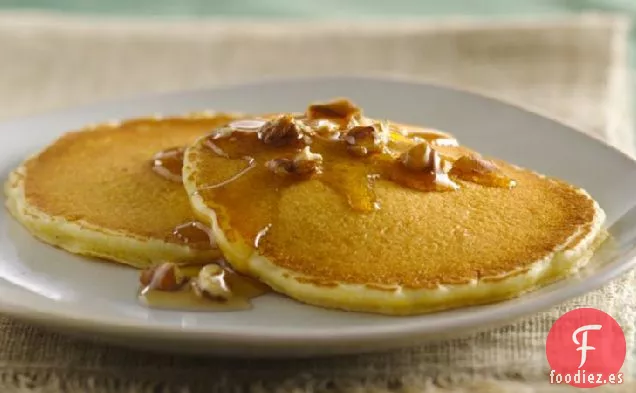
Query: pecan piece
[341,109]
[302,164]
[475,164]
[210,283]
[164,277]
[426,169]
[364,140]
[422,157]
[281,131]
[478,170]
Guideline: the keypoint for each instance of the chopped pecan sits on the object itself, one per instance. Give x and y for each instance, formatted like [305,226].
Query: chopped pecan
[164,277]
[475,164]
[426,169]
[211,283]
[280,166]
[365,140]
[422,157]
[304,163]
[325,129]
[341,109]
[478,170]
[281,131]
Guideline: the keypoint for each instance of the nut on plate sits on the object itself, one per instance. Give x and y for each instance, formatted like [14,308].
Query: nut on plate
[305,163]
[211,283]
[164,277]
[281,131]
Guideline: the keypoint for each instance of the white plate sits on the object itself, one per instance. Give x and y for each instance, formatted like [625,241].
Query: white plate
[75,295]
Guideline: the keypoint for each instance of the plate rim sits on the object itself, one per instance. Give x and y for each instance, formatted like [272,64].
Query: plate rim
[490,314]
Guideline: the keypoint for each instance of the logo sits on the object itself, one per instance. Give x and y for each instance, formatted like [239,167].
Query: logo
[586,348]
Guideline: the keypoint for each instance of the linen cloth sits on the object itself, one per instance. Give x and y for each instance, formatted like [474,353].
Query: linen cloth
[571,68]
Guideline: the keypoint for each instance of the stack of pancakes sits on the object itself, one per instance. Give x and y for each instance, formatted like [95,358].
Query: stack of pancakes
[407,250]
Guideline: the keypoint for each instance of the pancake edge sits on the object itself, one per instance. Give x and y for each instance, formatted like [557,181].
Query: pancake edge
[564,260]
[91,240]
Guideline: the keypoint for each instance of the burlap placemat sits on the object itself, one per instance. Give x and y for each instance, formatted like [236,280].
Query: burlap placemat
[572,68]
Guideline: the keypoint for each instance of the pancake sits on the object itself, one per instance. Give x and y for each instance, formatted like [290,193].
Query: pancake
[374,229]
[95,192]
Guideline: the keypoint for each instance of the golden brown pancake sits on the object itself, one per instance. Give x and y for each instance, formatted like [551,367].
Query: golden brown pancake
[367,232]
[95,192]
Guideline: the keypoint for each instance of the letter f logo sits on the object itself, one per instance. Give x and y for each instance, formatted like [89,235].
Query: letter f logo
[583,344]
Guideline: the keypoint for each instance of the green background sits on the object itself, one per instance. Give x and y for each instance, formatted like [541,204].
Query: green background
[322,8]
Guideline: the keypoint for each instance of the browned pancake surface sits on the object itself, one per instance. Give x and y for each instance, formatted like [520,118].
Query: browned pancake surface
[415,240]
[103,176]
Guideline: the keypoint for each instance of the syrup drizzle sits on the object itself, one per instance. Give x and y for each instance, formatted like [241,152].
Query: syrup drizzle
[261,234]
[169,163]
[188,296]
[247,199]
[251,163]
[193,234]
[351,176]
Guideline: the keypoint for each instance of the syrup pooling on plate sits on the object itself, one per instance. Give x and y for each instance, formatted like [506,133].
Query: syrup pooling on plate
[336,147]
[211,287]
[168,163]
